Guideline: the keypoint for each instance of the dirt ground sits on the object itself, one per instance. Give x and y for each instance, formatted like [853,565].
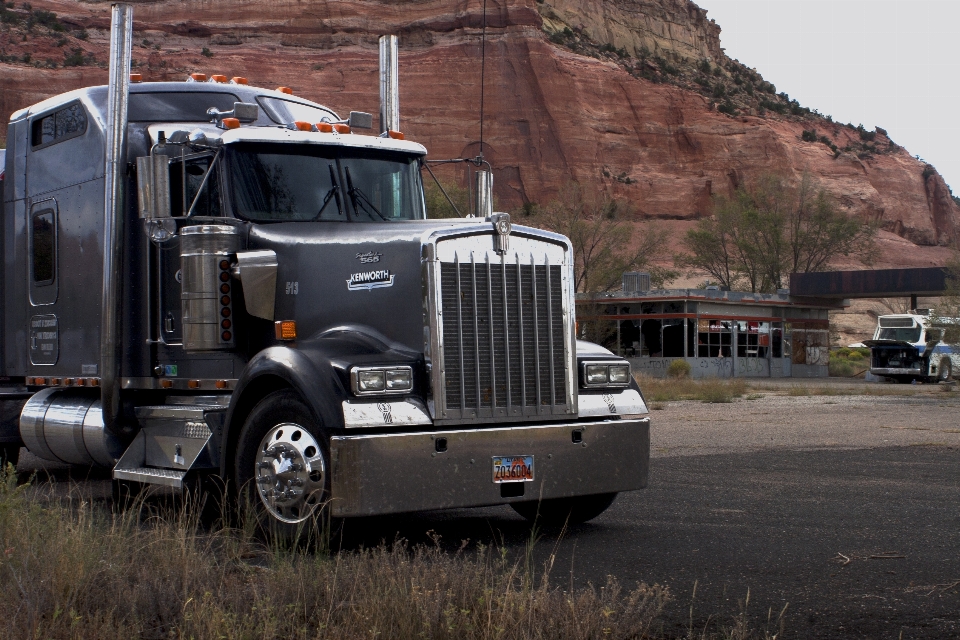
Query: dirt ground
[839,514]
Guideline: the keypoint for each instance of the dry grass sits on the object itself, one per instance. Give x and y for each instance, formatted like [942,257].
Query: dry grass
[71,568]
[706,390]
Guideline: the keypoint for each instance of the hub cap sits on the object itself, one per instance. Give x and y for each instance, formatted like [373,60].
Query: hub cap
[290,473]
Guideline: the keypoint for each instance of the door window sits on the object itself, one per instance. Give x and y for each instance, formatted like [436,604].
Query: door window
[42,253]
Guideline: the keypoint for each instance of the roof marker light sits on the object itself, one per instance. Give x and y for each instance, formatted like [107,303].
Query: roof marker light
[218,78]
[286,90]
[341,128]
[324,127]
[396,135]
[197,77]
[302,126]
[136,77]
[238,80]
[230,123]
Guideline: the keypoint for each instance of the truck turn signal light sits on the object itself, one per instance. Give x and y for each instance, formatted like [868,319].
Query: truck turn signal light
[285,329]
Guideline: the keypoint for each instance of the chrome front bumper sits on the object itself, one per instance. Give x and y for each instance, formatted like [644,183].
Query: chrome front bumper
[888,371]
[394,473]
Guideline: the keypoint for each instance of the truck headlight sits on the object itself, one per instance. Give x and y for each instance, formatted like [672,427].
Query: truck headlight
[381,380]
[606,374]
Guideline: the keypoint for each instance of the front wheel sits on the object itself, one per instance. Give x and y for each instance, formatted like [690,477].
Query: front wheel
[946,371]
[282,462]
[559,511]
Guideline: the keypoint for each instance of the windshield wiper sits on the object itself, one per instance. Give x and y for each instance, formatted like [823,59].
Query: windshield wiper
[357,196]
[333,193]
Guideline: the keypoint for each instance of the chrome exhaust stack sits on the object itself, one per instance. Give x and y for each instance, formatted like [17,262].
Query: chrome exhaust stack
[483,194]
[389,86]
[118,93]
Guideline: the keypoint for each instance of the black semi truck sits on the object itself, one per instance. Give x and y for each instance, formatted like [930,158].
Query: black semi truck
[204,277]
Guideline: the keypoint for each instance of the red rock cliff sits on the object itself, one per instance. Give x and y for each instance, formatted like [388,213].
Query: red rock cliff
[623,93]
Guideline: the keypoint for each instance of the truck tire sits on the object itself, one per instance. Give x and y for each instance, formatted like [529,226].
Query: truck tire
[946,371]
[282,466]
[556,512]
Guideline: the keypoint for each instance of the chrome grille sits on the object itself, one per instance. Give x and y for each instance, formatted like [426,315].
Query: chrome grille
[503,339]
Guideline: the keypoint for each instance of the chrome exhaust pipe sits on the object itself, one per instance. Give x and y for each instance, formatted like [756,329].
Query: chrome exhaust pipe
[118,90]
[483,194]
[389,85]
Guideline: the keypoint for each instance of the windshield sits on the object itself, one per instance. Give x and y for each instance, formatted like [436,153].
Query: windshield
[909,334]
[282,182]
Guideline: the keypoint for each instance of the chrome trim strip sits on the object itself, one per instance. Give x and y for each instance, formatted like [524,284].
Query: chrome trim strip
[403,413]
[626,403]
[179,384]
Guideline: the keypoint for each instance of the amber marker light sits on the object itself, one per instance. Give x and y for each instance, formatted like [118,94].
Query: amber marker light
[324,127]
[221,384]
[194,384]
[303,126]
[238,80]
[218,78]
[197,77]
[230,123]
[166,384]
[94,382]
[285,329]
[286,90]
[396,135]
[136,77]
[341,128]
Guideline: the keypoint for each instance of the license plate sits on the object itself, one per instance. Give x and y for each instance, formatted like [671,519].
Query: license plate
[512,469]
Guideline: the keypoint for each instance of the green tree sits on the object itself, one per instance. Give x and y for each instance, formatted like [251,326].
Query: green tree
[947,311]
[770,229]
[603,239]
[437,204]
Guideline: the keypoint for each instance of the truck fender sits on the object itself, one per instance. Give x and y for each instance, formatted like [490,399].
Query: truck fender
[308,372]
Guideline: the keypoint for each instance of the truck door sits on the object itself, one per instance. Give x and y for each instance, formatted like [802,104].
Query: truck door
[43,282]
[187,175]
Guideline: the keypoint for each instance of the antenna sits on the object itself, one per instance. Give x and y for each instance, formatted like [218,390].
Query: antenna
[483,55]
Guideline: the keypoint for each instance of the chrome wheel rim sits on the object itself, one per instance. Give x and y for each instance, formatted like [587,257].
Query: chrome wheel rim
[290,473]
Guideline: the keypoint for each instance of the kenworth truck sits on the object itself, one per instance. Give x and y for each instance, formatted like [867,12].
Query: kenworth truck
[908,347]
[204,277]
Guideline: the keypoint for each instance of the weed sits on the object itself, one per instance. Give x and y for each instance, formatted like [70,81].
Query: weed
[797,390]
[75,569]
[206,52]
[707,390]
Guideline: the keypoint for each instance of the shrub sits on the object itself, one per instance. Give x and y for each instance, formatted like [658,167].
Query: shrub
[206,52]
[728,108]
[809,136]
[679,369]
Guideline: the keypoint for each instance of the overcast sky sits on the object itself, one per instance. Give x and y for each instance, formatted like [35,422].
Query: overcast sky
[887,63]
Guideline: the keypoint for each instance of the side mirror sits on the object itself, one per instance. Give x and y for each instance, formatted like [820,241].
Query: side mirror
[246,112]
[153,186]
[360,120]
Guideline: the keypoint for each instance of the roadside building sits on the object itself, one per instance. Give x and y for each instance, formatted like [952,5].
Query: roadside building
[719,333]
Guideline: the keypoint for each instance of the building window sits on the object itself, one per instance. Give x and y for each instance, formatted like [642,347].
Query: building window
[714,338]
[753,339]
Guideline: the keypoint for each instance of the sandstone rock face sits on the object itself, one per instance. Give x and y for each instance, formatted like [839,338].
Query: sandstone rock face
[550,115]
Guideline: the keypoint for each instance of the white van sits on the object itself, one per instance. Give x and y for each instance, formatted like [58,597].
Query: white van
[906,347]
